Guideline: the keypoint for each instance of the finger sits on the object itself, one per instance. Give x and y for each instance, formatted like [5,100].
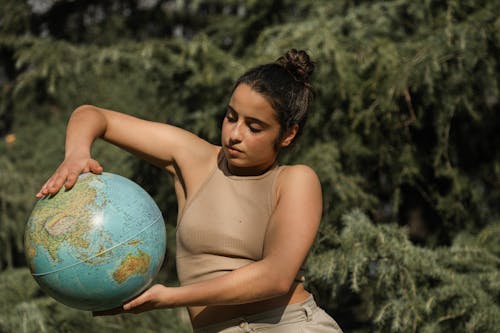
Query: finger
[45,188]
[71,180]
[40,194]
[138,301]
[95,167]
[57,182]
[132,304]
[42,191]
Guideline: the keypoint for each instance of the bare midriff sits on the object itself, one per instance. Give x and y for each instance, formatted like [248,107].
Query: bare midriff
[209,315]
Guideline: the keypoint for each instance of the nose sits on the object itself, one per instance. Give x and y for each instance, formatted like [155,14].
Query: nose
[235,134]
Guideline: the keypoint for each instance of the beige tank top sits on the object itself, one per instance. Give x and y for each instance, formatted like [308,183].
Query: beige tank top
[224,224]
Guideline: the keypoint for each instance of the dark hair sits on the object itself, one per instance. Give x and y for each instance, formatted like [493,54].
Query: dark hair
[285,84]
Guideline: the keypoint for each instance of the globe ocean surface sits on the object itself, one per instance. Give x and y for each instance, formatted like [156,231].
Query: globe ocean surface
[97,245]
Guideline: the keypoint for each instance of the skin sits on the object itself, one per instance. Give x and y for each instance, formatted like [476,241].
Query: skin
[249,132]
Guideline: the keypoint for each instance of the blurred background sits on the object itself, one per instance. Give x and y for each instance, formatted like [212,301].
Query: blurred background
[404,135]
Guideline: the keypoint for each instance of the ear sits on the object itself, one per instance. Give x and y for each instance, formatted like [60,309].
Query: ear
[288,139]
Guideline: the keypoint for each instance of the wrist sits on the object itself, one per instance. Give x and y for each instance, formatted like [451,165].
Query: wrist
[77,154]
[163,296]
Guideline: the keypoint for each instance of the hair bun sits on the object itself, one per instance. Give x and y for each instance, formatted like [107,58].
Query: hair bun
[298,64]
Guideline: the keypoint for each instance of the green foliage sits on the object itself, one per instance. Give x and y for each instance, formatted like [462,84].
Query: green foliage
[403,136]
[397,99]
[406,288]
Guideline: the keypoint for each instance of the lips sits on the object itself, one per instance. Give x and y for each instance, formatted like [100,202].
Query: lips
[233,150]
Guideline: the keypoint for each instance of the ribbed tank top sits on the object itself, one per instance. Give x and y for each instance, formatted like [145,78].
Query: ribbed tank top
[223,226]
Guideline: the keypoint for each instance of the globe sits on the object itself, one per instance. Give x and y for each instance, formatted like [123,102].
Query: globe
[97,245]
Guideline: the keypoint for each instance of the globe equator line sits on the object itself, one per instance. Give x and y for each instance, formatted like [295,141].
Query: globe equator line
[160,217]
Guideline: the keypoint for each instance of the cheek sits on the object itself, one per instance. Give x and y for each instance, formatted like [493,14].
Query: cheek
[224,129]
[264,145]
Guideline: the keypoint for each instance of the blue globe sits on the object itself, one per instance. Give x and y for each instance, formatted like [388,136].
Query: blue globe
[97,245]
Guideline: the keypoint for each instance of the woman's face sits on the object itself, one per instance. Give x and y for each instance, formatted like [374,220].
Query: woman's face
[249,132]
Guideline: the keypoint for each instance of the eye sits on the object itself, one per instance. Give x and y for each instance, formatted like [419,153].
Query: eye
[254,129]
[231,116]
[254,126]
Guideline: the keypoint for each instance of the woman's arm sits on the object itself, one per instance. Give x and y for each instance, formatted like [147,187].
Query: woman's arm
[292,230]
[163,145]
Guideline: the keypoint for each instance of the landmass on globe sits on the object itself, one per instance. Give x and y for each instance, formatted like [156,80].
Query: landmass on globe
[96,245]
[54,226]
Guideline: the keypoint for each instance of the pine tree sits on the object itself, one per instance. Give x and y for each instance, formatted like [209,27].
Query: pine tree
[403,135]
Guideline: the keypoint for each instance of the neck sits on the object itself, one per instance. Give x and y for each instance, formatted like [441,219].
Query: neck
[249,171]
[255,170]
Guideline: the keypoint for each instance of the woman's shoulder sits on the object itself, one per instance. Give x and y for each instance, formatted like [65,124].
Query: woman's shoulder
[297,177]
[292,171]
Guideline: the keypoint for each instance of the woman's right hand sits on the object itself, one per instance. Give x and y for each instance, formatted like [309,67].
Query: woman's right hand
[67,173]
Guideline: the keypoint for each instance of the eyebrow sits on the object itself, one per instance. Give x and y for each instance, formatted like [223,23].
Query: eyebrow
[252,119]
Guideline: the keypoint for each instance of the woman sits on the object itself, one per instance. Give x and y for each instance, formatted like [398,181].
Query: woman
[245,223]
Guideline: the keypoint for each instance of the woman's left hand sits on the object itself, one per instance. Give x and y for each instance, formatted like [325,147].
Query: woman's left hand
[151,299]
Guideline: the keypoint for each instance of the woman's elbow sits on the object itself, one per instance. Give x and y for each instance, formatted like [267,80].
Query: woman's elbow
[282,286]
[84,108]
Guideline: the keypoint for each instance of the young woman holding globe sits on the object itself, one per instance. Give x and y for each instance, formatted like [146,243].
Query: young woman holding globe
[245,223]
